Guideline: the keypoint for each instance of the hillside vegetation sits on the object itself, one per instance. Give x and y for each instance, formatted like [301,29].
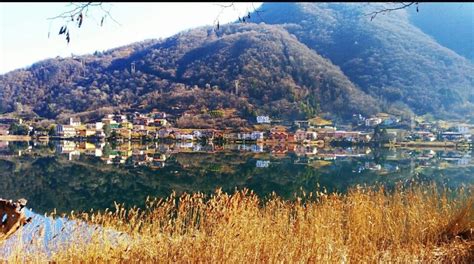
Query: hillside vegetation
[389,58]
[307,59]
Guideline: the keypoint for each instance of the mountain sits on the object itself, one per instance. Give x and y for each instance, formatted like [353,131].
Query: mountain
[389,58]
[450,24]
[276,75]
[305,59]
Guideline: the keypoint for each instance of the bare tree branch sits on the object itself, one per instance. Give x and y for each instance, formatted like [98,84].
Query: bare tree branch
[78,9]
[76,13]
[242,19]
[403,5]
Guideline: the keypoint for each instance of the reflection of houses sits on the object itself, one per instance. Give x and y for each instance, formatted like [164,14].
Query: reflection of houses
[158,160]
[457,158]
[372,166]
[279,149]
[65,146]
[257,148]
[263,163]
[3,145]
[4,129]
[301,150]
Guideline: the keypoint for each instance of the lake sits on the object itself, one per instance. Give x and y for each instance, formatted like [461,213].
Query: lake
[65,175]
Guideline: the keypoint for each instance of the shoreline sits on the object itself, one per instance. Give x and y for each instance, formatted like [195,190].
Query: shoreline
[15,138]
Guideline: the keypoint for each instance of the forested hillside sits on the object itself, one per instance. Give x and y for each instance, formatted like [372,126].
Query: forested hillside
[302,60]
[388,57]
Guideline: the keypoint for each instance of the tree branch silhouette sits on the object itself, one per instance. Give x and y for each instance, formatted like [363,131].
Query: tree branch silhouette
[387,10]
[77,14]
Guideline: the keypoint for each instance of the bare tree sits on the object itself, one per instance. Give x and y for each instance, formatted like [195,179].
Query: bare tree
[398,6]
[76,13]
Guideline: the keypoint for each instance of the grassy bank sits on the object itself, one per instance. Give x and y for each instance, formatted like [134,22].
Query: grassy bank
[364,225]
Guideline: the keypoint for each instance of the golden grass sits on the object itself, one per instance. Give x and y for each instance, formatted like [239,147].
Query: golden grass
[417,224]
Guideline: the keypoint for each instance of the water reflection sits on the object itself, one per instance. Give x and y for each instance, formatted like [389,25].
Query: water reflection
[82,175]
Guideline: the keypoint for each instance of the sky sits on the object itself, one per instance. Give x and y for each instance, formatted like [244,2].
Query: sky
[24,27]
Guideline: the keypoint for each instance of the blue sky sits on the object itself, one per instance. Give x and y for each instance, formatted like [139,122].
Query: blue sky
[24,27]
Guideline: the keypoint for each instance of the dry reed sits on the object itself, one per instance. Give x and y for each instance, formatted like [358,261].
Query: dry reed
[415,224]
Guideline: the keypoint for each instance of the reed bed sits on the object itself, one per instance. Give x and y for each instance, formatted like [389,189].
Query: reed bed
[368,225]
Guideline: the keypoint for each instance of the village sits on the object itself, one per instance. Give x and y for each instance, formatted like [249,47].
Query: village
[382,128]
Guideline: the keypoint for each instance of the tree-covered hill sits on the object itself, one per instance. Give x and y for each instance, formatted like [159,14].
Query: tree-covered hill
[254,68]
[303,59]
[388,57]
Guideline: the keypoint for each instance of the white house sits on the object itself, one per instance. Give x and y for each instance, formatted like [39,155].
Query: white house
[66,131]
[256,135]
[185,137]
[263,119]
[370,122]
[74,121]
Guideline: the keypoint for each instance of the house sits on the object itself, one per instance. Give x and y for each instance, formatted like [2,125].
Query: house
[263,120]
[325,133]
[257,135]
[455,136]
[197,134]
[243,136]
[277,135]
[184,136]
[462,129]
[158,115]
[302,123]
[109,121]
[423,135]
[301,135]
[74,121]
[86,132]
[390,121]
[126,125]
[166,133]
[124,133]
[142,120]
[66,131]
[160,122]
[374,121]
[347,135]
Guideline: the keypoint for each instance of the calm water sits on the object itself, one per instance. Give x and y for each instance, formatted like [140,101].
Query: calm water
[80,176]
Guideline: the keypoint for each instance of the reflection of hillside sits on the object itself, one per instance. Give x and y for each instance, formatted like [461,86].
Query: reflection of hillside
[53,181]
